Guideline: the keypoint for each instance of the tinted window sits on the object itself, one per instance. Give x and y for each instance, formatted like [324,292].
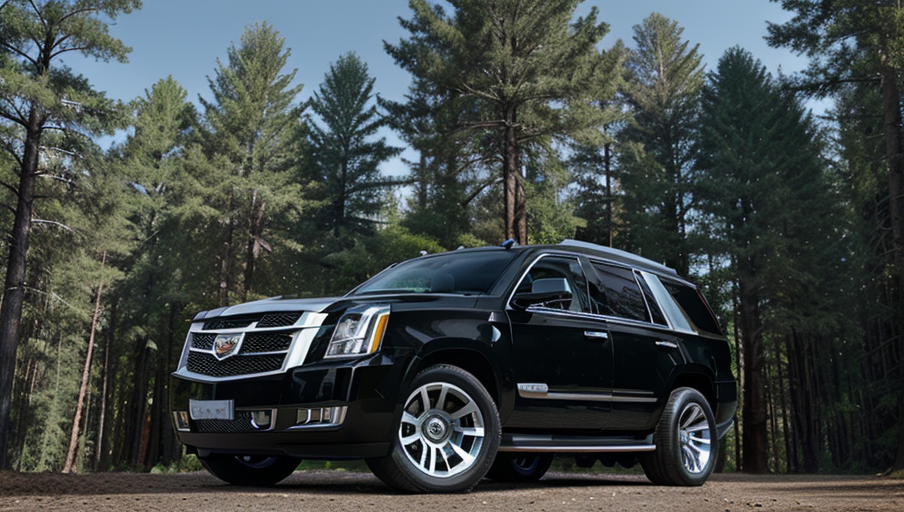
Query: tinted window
[658,317]
[695,309]
[618,294]
[552,267]
[452,272]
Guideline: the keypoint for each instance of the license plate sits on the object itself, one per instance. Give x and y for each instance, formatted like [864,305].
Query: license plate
[211,409]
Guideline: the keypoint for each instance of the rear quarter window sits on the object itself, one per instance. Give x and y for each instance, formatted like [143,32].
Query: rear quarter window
[694,306]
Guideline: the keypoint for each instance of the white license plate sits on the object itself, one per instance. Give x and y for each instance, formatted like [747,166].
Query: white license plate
[211,409]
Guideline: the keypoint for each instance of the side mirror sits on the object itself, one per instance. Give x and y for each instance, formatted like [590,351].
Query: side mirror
[543,291]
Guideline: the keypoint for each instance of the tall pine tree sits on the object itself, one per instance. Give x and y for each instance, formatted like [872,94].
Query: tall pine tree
[761,169]
[40,95]
[665,78]
[254,123]
[345,156]
[527,69]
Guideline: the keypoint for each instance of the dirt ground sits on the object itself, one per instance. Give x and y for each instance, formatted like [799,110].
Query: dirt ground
[324,491]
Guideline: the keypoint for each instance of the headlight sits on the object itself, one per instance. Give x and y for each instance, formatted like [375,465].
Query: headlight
[359,331]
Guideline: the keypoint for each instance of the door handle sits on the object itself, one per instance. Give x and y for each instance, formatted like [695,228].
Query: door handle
[667,344]
[596,335]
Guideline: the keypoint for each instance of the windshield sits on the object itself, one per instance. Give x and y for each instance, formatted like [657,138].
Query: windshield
[467,273]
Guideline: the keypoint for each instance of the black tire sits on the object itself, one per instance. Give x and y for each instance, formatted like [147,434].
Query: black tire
[445,448]
[250,470]
[687,444]
[520,467]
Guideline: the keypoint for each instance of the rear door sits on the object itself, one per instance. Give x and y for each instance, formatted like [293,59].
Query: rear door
[645,351]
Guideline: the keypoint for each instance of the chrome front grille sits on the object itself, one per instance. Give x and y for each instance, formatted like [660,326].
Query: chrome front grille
[250,345]
[278,319]
[266,342]
[207,364]
[255,342]
[203,341]
[223,323]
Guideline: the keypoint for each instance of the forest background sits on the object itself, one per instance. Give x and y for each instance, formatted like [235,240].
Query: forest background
[123,219]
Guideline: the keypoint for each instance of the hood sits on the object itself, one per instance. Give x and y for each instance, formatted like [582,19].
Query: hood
[271,305]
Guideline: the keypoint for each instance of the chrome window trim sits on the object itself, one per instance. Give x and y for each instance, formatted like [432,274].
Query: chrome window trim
[511,297]
[613,320]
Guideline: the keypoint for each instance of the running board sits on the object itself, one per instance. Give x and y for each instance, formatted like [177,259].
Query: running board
[574,444]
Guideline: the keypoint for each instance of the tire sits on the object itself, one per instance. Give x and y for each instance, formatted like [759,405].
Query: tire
[447,437]
[686,442]
[250,470]
[520,467]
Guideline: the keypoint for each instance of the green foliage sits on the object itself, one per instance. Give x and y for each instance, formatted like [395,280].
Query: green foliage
[252,123]
[254,194]
[549,211]
[518,70]
[343,158]
[665,78]
[188,463]
[845,39]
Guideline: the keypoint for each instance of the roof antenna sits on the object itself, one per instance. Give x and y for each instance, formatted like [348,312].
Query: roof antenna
[423,253]
[508,244]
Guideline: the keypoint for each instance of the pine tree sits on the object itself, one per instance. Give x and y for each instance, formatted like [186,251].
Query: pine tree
[760,196]
[253,122]
[345,157]
[525,68]
[157,286]
[39,95]
[665,77]
[443,177]
[860,42]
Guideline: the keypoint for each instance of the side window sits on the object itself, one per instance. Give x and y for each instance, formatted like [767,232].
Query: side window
[618,294]
[560,267]
[694,307]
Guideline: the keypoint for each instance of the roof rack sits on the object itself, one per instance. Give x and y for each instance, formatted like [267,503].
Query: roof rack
[623,255]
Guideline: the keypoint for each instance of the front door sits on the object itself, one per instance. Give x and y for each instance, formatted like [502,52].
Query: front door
[563,355]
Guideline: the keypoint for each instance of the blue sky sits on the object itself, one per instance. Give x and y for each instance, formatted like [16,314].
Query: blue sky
[184,38]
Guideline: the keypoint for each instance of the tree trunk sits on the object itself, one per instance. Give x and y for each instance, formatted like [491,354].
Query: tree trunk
[14,287]
[790,462]
[894,152]
[756,448]
[607,158]
[99,445]
[255,243]
[86,374]
[510,178]
[225,259]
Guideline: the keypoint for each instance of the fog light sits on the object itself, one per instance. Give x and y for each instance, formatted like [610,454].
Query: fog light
[260,419]
[180,418]
[320,417]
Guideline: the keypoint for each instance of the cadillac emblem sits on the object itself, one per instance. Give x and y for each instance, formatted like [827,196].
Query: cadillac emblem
[226,345]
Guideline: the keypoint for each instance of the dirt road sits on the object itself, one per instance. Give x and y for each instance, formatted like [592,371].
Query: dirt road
[325,491]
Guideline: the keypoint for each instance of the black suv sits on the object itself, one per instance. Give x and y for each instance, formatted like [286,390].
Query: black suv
[449,368]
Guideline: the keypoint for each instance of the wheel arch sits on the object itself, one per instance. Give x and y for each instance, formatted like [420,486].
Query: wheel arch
[700,381]
[469,356]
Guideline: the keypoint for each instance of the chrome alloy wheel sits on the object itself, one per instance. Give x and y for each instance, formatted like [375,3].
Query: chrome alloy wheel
[442,429]
[694,438]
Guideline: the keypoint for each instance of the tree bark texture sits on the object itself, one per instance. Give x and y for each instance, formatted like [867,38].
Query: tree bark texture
[14,287]
[756,448]
[86,374]
[894,148]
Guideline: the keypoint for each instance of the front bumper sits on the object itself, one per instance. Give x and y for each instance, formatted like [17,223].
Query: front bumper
[328,411]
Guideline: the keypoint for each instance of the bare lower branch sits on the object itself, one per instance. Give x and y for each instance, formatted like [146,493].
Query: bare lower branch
[53,223]
[13,189]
